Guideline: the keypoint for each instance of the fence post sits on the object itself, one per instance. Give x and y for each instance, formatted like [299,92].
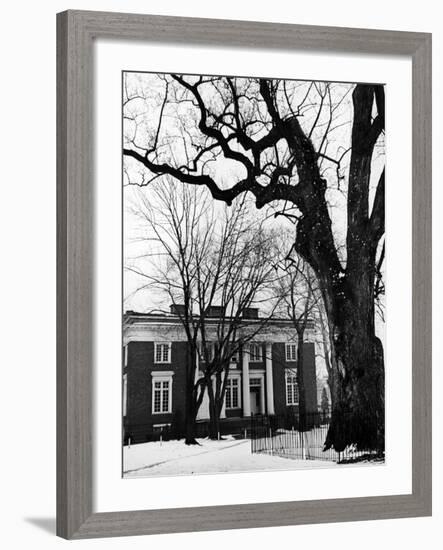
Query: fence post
[271,441]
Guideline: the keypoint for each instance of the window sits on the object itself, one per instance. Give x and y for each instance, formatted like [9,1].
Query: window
[255,352]
[161,393]
[162,353]
[232,398]
[291,352]
[125,394]
[291,387]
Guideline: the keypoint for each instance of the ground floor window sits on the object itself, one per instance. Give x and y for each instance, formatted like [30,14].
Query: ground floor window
[161,393]
[232,399]
[291,387]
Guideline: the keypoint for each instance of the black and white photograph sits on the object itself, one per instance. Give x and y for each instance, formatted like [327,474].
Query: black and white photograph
[253,315]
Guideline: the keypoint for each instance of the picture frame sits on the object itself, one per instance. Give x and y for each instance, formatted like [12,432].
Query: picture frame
[76,32]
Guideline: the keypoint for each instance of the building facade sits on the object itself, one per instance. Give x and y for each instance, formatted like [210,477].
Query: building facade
[262,376]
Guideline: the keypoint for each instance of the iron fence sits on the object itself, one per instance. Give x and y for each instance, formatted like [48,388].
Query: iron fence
[299,438]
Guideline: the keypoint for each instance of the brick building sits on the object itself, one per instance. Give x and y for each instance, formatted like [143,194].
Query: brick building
[262,376]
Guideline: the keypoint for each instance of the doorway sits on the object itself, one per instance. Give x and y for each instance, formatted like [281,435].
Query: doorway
[256,395]
[255,400]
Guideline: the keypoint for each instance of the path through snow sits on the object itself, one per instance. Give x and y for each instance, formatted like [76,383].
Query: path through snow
[210,457]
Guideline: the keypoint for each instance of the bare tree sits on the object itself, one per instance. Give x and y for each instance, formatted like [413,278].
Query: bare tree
[214,265]
[289,143]
[298,290]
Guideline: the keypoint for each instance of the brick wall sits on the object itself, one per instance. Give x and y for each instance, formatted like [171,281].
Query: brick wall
[139,418]
[310,377]
[279,365]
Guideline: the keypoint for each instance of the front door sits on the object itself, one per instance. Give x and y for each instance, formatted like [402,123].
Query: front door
[255,400]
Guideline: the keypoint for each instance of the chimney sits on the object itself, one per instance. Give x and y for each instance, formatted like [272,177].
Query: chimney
[177,309]
[214,311]
[250,313]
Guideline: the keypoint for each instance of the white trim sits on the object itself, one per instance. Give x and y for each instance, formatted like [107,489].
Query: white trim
[162,373]
[154,331]
[156,344]
[125,359]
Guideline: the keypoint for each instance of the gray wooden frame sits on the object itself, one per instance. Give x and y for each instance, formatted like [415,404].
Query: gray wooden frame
[76,31]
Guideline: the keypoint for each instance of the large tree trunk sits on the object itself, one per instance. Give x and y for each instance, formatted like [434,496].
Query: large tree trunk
[215,407]
[191,401]
[190,420]
[358,413]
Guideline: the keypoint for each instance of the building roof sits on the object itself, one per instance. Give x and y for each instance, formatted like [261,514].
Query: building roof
[159,324]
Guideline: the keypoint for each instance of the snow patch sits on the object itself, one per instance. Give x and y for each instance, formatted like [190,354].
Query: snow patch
[209,457]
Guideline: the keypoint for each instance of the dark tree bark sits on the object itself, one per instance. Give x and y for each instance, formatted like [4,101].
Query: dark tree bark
[193,397]
[215,406]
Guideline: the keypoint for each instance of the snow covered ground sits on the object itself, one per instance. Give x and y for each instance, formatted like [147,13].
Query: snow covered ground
[230,455]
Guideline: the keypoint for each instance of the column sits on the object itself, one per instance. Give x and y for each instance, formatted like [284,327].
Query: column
[269,379]
[245,383]
[262,395]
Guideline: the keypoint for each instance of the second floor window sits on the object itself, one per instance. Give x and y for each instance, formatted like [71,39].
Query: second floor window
[255,352]
[162,353]
[291,352]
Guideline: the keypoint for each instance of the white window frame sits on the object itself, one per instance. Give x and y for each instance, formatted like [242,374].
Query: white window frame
[292,373]
[162,377]
[125,394]
[125,361]
[162,361]
[239,392]
[255,358]
[291,352]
